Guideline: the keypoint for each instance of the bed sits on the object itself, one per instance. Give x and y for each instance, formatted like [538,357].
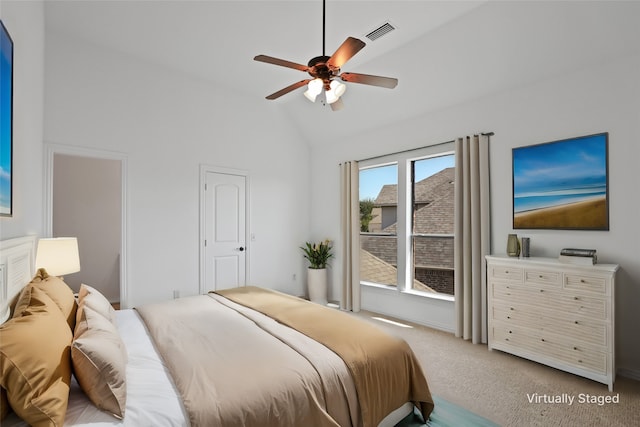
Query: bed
[241,357]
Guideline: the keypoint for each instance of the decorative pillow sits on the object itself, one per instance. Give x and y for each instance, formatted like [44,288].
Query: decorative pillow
[93,298]
[35,362]
[58,291]
[99,360]
[88,318]
[23,301]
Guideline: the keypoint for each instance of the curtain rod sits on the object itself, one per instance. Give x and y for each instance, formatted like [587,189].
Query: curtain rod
[419,148]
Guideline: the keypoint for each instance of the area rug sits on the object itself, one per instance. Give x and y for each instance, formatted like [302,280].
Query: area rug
[446,414]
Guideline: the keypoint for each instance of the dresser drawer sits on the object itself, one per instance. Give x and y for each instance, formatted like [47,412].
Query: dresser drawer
[551,346]
[590,332]
[553,278]
[552,299]
[505,273]
[595,284]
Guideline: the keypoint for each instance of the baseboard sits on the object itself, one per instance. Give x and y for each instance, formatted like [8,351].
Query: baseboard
[629,373]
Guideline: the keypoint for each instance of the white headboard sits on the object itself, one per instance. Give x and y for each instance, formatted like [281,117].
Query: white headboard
[17,267]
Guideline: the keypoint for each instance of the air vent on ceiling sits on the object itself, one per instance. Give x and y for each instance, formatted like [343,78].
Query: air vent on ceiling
[380,31]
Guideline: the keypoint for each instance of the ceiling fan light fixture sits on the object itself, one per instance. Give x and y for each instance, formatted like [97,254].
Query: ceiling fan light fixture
[336,90]
[311,97]
[314,88]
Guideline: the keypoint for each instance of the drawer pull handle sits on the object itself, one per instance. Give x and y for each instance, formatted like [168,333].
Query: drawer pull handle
[575,348]
[506,339]
[541,290]
[540,276]
[576,322]
[510,332]
[508,317]
[542,339]
[581,280]
[511,308]
[579,360]
[576,298]
[506,272]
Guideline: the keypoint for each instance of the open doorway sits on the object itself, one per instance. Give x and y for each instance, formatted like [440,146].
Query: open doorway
[86,200]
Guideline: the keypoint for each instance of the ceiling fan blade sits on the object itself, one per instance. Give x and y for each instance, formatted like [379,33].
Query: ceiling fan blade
[338,105]
[367,79]
[281,62]
[345,52]
[288,89]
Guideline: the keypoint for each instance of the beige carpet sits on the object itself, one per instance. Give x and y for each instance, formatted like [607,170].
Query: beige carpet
[498,386]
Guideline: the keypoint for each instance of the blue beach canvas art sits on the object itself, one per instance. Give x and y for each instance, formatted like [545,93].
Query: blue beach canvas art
[6,119]
[562,184]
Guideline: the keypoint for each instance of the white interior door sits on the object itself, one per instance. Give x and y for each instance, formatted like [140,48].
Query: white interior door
[225,230]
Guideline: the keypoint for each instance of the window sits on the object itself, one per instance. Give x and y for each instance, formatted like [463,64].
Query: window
[378,225]
[406,218]
[432,224]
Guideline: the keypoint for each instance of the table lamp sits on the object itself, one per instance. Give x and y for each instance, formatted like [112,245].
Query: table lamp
[57,256]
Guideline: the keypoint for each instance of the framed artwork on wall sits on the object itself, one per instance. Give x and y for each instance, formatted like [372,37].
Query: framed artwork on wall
[562,185]
[6,122]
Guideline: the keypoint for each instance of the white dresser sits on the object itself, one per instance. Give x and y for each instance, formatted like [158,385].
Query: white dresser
[554,313]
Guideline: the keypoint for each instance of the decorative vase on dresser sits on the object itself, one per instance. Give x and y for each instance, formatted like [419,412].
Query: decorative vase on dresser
[554,313]
[513,245]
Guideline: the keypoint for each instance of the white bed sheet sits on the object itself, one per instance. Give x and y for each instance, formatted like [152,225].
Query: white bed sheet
[152,399]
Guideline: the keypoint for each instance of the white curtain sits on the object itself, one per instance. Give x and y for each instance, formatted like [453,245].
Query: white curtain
[472,236]
[350,232]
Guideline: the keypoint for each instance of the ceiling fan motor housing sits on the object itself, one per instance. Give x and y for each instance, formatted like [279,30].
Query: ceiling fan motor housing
[319,69]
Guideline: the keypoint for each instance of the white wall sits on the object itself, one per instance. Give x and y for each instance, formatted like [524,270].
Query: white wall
[168,124]
[25,23]
[602,98]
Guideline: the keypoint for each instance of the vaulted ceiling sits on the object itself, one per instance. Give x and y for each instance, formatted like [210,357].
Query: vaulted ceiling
[442,52]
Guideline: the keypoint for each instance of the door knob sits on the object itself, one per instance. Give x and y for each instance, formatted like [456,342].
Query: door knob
[241,249]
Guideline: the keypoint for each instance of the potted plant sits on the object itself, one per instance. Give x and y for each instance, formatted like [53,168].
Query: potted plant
[318,255]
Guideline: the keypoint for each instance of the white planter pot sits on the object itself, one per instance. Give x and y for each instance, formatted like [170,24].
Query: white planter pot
[317,285]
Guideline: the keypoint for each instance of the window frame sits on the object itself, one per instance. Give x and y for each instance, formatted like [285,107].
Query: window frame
[404,228]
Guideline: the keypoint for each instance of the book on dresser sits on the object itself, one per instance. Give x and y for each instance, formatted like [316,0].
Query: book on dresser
[554,313]
[580,260]
[578,256]
[578,252]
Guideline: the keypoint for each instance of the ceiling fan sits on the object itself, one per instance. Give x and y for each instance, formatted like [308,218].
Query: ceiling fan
[325,72]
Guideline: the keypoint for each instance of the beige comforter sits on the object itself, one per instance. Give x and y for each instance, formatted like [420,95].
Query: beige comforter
[384,368]
[231,373]
[234,366]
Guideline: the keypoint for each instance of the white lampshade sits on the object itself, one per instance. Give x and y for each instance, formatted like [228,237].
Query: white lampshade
[314,89]
[338,88]
[58,256]
[336,91]
[311,97]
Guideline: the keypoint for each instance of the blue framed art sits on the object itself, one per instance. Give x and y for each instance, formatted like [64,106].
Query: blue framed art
[6,122]
[562,185]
